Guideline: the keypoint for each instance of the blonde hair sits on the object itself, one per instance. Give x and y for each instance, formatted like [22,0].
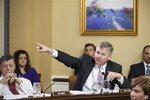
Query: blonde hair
[143,82]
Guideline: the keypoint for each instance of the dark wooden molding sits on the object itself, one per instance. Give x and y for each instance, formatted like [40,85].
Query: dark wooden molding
[61,79]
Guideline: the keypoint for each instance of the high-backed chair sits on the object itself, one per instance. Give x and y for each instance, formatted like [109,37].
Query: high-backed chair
[39,75]
[72,80]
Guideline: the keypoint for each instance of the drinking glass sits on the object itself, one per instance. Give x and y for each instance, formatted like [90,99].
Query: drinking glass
[96,87]
[37,89]
[106,86]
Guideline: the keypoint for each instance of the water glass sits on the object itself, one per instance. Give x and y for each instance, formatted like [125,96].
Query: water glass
[96,87]
[37,89]
[106,86]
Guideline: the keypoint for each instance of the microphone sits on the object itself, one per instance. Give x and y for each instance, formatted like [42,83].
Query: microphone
[48,87]
[109,83]
[103,73]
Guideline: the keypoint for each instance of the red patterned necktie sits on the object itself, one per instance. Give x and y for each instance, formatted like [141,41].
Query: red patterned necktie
[12,88]
[100,75]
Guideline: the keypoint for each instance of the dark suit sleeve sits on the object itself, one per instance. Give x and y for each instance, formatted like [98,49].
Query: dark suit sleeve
[115,67]
[131,73]
[68,60]
[136,70]
[126,83]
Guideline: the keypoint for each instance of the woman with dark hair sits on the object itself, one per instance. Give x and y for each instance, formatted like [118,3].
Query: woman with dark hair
[23,67]
[141,88]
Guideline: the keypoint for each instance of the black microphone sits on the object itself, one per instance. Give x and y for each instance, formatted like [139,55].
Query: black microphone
[110,84]
[103,73]
[48,87]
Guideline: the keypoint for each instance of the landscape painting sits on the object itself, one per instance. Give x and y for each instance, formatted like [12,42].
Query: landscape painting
[109,17]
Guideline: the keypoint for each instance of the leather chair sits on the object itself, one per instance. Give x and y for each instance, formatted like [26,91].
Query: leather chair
[39,75]
[72,80]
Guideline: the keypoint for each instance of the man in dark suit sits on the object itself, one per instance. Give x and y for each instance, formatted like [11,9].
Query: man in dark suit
[88,68]
[140,69]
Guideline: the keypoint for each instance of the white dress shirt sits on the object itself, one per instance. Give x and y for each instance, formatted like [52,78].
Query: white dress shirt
[55,53]
[24,88]
[93,77]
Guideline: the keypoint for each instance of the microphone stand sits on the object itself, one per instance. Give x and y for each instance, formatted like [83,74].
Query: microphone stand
[48,88]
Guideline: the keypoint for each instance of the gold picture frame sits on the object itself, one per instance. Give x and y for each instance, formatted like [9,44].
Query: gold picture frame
[109,17]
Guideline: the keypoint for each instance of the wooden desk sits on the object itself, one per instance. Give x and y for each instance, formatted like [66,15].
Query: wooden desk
[111,96]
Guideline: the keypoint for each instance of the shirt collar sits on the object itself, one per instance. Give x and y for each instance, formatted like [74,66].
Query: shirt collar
[145,64]
[103,68]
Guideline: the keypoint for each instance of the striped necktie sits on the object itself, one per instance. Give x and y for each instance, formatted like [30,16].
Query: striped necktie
[100,75]
[12,88]
[148,69]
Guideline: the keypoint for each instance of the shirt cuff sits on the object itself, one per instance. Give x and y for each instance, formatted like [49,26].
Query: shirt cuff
[121,80]
[55,53]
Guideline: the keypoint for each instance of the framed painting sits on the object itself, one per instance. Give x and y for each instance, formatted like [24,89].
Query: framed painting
[109,17]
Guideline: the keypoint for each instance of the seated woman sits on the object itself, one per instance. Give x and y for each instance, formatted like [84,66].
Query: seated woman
[23,67]
[141,88]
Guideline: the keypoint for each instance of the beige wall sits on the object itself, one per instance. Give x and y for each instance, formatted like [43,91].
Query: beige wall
[30,21]
[56,23]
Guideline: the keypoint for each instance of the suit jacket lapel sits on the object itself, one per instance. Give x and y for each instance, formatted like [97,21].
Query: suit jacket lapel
[142,68]
[87,72]
[108,68]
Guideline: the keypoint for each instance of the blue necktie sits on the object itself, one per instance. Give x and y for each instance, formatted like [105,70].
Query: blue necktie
[148,69]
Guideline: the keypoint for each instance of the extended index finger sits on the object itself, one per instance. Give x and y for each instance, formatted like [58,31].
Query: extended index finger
[38,44]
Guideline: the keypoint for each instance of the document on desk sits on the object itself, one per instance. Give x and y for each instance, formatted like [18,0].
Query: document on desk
[12,97]
[75,92]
